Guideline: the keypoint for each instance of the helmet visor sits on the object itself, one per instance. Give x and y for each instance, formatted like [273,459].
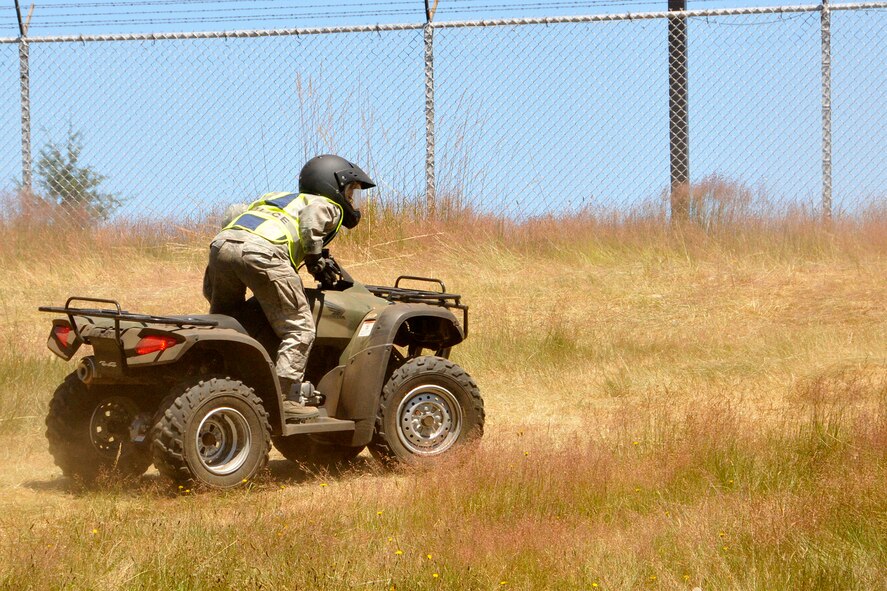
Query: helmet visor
[354,195]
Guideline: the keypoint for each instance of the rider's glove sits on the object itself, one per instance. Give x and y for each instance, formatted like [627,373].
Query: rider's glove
[315,263]
[320,269]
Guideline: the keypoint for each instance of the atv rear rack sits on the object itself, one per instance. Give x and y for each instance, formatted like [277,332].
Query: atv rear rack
[117,315]
[420,296]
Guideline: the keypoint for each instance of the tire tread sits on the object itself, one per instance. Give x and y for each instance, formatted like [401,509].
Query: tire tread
[380,445]
[69,442]
[167,438]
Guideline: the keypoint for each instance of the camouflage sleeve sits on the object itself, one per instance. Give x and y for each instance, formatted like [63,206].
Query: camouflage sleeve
[316,220]
[234,210]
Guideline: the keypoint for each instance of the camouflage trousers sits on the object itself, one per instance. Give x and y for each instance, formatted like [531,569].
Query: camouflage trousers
[240,260]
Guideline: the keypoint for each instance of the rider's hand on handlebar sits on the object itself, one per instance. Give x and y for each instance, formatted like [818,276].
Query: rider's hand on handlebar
[315,264]
[321,269]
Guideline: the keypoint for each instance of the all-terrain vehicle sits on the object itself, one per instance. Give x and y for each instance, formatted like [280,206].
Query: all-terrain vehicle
[198,397]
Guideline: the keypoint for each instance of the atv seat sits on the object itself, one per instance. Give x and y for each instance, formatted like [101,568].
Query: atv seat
[222,320]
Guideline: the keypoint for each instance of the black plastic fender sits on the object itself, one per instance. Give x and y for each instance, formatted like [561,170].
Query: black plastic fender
[365,371]
[247,361]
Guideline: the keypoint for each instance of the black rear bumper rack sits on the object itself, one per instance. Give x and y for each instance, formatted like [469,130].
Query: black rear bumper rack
[420,296]
[117,315]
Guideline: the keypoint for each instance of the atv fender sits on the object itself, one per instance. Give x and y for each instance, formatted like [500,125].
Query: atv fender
[245,359]
[366,370]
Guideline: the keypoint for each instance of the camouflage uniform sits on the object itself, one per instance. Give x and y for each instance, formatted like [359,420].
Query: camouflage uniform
[240,259]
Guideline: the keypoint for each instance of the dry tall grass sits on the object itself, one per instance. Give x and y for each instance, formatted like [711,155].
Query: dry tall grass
[666,409]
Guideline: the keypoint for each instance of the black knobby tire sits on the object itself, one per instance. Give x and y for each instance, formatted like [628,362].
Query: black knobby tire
[160,460]
[214,433]
[428,406]
[69,424]
[313,455]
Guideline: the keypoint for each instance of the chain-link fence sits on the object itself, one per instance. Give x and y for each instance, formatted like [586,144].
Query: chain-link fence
[785,111]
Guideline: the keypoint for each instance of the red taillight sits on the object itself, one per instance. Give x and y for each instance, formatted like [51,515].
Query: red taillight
[62,333]
[154,343]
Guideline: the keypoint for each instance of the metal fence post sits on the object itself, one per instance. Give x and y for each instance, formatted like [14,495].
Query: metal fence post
[825,20]
[678,112]
[430,193]
[25,75]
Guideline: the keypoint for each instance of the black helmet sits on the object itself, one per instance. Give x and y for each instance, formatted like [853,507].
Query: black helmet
[327,176]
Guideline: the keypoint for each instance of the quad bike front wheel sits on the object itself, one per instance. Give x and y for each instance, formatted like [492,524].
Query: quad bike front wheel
[214,433]
[428,406]
[88,430]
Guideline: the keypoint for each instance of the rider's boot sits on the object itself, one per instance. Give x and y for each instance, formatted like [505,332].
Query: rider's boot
[294,408]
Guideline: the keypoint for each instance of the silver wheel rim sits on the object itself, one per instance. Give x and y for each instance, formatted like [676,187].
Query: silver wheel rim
[110,423]
[429,420]
[223,440]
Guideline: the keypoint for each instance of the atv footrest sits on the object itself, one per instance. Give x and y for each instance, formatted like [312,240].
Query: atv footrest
[318,425]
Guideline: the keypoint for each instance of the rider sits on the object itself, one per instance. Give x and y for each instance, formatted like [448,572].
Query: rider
[262,249]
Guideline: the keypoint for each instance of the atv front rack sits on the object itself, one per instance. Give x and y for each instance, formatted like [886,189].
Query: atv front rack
[117,315]
[420,296]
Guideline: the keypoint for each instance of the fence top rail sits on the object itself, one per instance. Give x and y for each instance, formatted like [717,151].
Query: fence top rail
[505,22]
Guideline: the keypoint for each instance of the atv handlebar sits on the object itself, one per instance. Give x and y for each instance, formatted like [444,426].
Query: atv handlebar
[333,277]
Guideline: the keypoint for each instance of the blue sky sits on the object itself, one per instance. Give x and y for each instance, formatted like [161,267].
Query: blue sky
[529,119]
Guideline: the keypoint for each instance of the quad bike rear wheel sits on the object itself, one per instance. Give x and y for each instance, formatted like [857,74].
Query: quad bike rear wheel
[88,430]
[314,455]
[428,406]
[214,433]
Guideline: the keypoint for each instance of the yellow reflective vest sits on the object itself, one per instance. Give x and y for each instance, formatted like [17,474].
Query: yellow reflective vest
[277,217]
